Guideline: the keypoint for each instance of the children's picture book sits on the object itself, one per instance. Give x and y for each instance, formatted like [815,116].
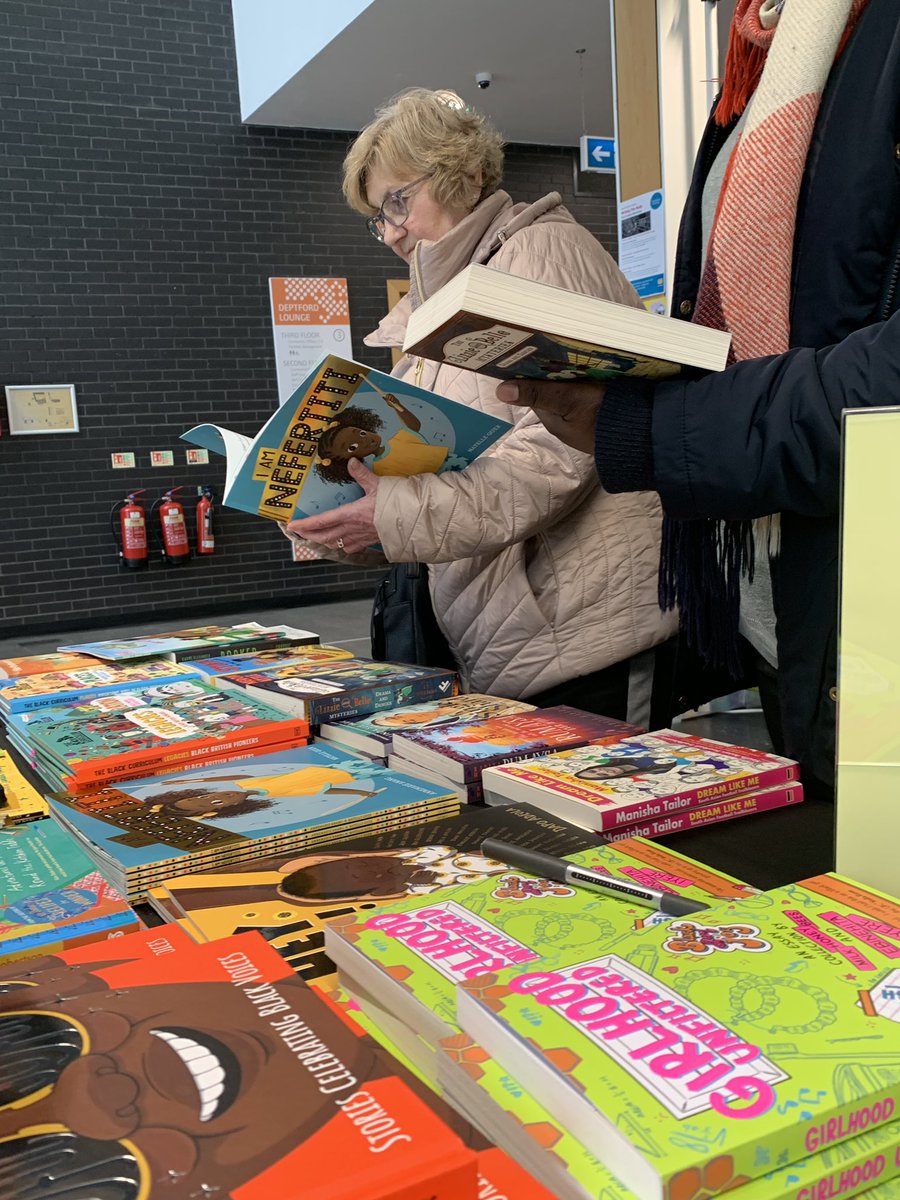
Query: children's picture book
[290,898]
[517,1122]
[744,1034]
[39,664]
[647,776]
[515,328]
[199,642]
[141,831]
[342,689]
[240,1081]
[20,801]
[461,751]
[265,660]
[407,957]
[296,465]
[31,692]
[710,812]
[374,734]
[121,735]
[52,896]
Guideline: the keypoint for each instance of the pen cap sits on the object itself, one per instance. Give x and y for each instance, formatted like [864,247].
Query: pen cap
[679,906]
[545,866]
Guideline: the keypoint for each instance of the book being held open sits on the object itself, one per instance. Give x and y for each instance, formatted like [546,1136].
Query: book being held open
[514,328]
[296,465]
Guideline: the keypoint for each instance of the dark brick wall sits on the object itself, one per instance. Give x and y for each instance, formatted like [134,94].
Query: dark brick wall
[140,226]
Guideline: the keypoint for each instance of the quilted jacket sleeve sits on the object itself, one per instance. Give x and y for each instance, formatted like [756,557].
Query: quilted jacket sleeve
[762,437]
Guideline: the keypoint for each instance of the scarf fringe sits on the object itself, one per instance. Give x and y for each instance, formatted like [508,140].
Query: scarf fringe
[744,64]
[701,564]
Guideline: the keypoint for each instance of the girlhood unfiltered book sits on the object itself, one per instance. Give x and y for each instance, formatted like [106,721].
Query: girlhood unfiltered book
[297,465]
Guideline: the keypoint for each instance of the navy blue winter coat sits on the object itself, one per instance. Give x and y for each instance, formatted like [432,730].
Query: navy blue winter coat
[765,435]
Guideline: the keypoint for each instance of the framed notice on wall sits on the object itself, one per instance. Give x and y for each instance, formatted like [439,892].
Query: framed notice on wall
[42,408]
[310,318]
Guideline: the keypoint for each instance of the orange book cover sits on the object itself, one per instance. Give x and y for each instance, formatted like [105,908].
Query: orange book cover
[172,1078]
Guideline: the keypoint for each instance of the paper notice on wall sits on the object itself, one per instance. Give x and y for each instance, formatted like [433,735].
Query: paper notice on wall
[310,318]
[642,247]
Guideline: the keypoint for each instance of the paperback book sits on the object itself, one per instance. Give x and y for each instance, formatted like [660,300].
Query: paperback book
[406,958]
[296,465]
[374,734]
[469,793]
[141,831]
[344,689]
[515,328]
[121,735]
[462,751]
[209,1042]
[32,692]
[291,897]
[747,1034]
[52,896]
[199,642]
[643,777]
[710,812]
[39,664]
[20,802]
[265,660]
[518,1123]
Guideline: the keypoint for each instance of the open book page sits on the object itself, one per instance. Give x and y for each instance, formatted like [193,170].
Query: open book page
[234,446]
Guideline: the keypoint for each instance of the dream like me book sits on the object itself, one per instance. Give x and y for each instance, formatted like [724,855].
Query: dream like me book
[296,465]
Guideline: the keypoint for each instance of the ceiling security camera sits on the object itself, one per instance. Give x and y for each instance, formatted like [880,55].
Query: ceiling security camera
[483,79]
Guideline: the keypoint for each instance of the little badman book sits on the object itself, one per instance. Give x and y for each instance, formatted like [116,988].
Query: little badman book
[296,466]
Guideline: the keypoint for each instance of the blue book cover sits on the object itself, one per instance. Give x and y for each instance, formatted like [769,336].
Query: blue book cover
[240,808]
[296,466]
[32,692]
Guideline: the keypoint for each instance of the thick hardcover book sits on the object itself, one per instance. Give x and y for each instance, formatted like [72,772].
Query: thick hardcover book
[648,776]
[712,811]
[374,734]
[296,466]
[290,898]
[199,642]
[514,328]
[51,894]
[19,801]
[751,1033]
[408,956]
[141,831]
[344,689]
[265,660]
[461,751]
[517,1121]
[212,1070]
[63,687]
[125,734]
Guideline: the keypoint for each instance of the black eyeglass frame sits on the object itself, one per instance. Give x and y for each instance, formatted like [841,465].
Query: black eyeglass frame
[376,224]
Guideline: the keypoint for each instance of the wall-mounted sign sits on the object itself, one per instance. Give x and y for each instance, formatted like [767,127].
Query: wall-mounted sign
[195,457]
[161,458]
[598,154]
[122,460]
[42,408]
[310,318]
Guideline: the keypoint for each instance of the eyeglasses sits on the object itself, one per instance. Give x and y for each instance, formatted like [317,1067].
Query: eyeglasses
[394,209]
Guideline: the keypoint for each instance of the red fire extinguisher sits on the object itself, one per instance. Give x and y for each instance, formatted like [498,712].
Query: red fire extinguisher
[175,550]
[129,529]
[206,536]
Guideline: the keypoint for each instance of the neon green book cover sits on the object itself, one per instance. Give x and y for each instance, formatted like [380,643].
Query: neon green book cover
[753,1033]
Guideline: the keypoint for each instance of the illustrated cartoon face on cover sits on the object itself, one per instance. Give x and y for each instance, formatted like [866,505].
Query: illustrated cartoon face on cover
[104,1095]
[354,433]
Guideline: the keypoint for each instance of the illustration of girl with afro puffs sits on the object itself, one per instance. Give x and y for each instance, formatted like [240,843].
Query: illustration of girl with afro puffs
[354,433]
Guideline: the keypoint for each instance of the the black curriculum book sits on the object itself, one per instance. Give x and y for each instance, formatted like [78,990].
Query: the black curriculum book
[514,328]
[291,897]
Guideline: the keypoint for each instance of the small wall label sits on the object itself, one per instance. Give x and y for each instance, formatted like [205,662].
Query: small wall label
[122,460]
[161,458]
[197,456]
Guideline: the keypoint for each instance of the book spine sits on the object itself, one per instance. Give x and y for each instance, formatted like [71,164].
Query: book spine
[710,814]
[294,732]
[52,940]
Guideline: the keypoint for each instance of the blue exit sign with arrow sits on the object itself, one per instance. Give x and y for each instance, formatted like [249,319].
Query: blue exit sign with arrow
[598,154]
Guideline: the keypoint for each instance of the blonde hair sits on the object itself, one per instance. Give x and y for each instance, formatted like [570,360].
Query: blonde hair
[421,132]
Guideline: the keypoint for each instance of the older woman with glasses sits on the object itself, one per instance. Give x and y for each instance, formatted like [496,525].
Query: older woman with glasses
[544,585]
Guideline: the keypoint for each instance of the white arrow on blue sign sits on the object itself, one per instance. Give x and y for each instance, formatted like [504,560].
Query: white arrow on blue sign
[598,154]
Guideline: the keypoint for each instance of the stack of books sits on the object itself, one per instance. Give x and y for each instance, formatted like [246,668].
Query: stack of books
[458,753]
[140,831]
[316,656]
[649,785]
[52,896]
[53,688]
[182,645]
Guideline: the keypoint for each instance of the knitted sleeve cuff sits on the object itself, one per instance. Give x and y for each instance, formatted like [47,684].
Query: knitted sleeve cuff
[623,437]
